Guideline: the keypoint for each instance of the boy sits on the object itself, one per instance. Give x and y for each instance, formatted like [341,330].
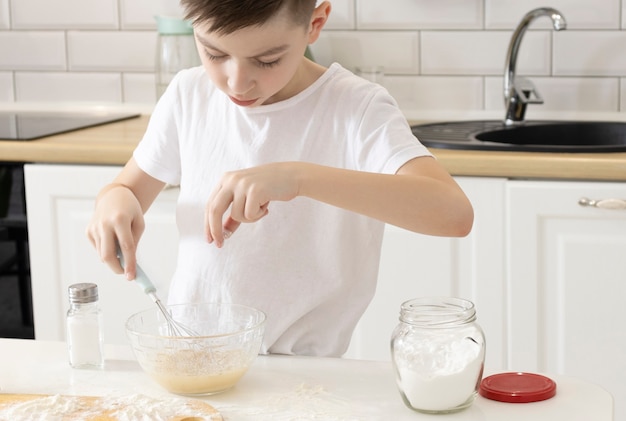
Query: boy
[287,172]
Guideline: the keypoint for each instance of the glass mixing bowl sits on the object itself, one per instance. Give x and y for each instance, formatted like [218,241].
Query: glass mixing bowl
[229,338]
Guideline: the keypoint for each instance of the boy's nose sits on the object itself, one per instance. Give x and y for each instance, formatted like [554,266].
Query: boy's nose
[239,79]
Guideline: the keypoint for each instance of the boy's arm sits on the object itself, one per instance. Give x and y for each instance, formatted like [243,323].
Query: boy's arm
[420,197]
[118,216]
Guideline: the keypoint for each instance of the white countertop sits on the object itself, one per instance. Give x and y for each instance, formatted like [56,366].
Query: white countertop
[283,388]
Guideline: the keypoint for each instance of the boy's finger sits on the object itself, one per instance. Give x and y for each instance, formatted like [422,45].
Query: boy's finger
[230,226]
[126,258]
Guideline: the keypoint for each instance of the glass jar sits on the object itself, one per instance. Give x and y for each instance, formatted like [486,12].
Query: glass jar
[438,352]
[84,327]
[374,74]
[176,50]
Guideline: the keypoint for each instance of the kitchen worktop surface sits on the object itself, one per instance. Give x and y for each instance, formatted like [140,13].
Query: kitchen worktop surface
[114,144]
[282,388]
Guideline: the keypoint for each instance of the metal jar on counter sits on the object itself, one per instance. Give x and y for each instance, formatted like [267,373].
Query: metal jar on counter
[438,353]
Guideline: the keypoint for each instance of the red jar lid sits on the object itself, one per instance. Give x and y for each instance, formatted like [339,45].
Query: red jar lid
[517,387]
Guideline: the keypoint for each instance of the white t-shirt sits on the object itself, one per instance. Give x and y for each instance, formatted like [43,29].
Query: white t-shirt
[311,267]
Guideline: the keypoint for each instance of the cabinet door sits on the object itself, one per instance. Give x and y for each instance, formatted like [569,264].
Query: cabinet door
[60,201]
[414,265]
[567,283]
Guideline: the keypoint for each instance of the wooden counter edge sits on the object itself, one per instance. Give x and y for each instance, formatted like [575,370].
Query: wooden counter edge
[114,143]
[534,165]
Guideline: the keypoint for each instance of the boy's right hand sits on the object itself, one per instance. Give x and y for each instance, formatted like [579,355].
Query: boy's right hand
[117,219]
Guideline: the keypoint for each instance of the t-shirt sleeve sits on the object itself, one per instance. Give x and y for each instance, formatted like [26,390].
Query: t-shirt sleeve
[158,152]
[387,142]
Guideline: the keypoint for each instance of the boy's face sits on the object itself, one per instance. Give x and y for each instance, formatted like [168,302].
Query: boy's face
[255,65]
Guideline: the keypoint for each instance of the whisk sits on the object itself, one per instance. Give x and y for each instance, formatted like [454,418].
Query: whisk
[174,328]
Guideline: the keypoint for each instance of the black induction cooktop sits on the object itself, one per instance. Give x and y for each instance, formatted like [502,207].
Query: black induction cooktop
[32,125]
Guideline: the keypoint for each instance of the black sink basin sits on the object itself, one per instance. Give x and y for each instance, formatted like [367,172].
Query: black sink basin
[532,136]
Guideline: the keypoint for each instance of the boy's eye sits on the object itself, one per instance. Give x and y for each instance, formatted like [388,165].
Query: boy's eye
[267,65]
[212,57]
[260,63]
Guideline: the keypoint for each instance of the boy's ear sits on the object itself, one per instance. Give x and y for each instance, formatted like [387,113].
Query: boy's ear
[318,20]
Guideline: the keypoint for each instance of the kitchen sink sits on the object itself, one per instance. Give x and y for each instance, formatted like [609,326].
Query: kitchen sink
[531,136]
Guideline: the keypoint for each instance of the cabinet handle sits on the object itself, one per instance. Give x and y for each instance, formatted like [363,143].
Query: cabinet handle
[613,204]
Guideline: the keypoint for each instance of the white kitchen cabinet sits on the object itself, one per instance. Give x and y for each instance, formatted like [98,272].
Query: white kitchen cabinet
[566,282]
[414,265]
[60,201]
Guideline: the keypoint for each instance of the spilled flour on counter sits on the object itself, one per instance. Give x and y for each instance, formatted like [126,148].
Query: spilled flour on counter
[304,403]
[53,407]
[145,408]
[121,408]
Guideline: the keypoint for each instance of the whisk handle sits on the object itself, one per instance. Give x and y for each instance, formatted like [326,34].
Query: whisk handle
[143,281]
[141,278]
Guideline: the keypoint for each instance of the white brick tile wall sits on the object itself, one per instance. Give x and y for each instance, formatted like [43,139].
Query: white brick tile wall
[562,94]
[436,54]
[396,51]
[32,50]
[165,7]
[111,50]
[494,93]
[138,14]
[419,14]
[6,87]
[586,94]
[436,92]
[55,14]
[70,87]
[590,53]
[482,52]
[341,15]
[139,88]
[579,14]
[4,14]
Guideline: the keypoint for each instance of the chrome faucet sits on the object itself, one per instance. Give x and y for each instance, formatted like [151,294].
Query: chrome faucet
[520,91]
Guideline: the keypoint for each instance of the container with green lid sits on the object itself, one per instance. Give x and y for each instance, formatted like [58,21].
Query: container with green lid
[176,50]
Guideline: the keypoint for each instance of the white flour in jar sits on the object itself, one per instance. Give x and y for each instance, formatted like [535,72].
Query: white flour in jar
[438,376]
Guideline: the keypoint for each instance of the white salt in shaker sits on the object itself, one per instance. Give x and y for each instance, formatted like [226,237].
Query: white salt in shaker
[84,327]
[438,352]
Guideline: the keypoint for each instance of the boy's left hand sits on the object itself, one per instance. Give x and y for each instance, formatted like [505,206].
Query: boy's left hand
[247,193]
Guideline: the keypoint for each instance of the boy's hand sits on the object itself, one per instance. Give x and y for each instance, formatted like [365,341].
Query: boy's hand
[118,218]
[247,193]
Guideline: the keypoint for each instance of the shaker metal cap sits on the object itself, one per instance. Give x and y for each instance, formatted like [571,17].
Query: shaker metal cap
[83,293]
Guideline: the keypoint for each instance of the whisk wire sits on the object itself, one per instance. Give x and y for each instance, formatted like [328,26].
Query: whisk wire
[174,328]
[141,279]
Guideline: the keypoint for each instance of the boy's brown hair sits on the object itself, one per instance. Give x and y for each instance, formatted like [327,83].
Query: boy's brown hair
[227,16]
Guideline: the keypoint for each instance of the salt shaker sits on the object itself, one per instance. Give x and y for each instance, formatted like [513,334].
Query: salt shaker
[438,353]
[84,327]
